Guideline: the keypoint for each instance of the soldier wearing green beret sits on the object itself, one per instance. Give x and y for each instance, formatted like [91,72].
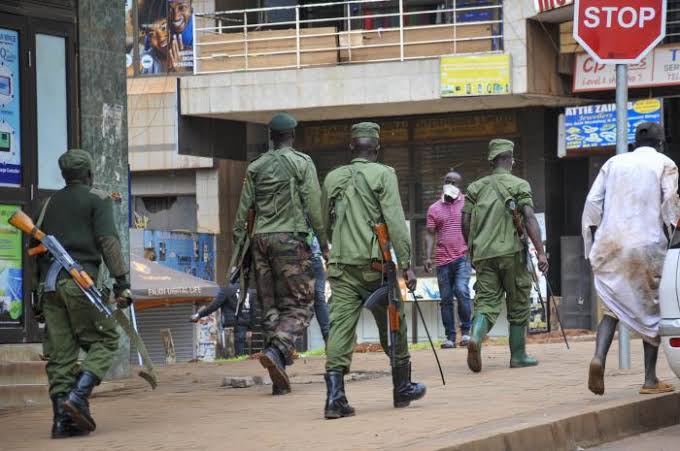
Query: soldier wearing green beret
[81,218]
[282,187]
[354,196]
[497,253]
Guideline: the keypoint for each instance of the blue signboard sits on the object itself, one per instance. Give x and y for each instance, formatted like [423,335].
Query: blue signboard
[10,114]
[192,253]
[593,126]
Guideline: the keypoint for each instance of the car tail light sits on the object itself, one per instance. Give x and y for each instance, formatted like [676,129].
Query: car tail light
[675,342]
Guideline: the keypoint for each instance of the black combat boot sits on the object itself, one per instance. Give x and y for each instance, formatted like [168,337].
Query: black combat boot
[77,404]
[274,362]
[336,401]
[405,391]
[61,421]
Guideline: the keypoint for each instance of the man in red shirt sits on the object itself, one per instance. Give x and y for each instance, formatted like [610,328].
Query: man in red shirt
[444,220]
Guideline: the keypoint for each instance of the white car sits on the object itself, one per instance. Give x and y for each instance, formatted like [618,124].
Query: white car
[669,300]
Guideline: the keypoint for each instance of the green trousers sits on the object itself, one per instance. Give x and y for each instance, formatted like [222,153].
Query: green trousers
[350,286]
[73,323]
[503,279]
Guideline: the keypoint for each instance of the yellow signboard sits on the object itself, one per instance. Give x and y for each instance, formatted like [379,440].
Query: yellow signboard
[474,75]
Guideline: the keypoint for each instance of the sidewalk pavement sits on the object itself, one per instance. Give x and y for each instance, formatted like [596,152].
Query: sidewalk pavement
[190,411]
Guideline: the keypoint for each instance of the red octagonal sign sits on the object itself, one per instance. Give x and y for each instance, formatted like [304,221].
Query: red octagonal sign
[619,32]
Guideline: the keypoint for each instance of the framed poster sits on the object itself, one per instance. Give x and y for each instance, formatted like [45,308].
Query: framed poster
[11,275]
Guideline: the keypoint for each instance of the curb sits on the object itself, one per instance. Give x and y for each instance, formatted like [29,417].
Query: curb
[571,433]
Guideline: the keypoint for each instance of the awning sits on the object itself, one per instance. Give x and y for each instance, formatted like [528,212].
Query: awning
[155,285]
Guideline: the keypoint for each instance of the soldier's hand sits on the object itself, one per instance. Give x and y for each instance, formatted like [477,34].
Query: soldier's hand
[124,299]
[411,280]
[543,263]
[428,265]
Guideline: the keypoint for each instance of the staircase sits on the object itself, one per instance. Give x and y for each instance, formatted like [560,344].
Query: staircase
[23,381]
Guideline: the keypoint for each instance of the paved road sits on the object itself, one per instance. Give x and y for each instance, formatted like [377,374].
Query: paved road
[190,411]
[662,440]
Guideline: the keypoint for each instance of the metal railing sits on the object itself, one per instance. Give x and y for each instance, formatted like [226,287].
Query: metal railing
[343,32]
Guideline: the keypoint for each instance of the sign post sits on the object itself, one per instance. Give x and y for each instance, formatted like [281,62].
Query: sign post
[613,33]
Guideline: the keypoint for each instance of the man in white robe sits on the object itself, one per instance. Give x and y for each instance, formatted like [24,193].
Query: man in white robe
[624,213]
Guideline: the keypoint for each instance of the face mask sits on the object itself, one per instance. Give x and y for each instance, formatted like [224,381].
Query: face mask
[451,191]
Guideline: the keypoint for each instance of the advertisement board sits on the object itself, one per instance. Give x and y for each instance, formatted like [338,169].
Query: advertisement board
[592,126]
[474,75]
[165,36]
[10,109]
[191,253]
[11,276]
[660,68]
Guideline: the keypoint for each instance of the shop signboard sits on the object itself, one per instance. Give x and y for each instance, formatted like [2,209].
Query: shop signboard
[10,109]
[548,5]
[474,75]
[594,126]
[659,68]
[11,276]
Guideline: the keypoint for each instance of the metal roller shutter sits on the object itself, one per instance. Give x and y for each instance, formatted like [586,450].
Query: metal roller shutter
[173,317]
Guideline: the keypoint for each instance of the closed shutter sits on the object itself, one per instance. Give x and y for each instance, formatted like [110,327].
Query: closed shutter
[174,317]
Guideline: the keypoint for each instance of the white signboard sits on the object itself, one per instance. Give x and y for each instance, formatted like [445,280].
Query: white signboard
[659,68]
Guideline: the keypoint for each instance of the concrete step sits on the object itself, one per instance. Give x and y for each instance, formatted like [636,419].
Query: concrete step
[23,373]
[20,352]
[26,395]
[13,395]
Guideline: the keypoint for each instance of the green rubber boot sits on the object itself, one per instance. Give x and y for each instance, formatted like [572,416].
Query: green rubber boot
[519,357]
[480,326]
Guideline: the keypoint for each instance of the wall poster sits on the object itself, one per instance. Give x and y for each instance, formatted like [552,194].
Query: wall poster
[11,276]
[10,109]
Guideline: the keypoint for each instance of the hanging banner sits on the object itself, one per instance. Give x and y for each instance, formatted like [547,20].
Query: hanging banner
[474,75]
[10,109]
[593,126]
[166,36]
[548,5]
[11,276]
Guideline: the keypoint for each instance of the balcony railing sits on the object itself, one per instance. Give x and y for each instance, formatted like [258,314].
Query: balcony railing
[343,32]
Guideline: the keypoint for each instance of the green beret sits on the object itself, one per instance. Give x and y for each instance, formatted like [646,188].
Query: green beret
[366,130]
[75,164]
[500,146]
[282,122]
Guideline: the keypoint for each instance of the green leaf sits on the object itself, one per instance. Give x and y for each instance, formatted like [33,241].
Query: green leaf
[16,309]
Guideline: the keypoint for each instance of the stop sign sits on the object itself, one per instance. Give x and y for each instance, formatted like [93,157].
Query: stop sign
[619,32]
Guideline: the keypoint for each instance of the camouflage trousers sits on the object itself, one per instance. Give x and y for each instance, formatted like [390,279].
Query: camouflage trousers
[285,287]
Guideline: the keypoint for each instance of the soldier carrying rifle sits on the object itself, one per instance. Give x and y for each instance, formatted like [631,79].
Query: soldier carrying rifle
[355,198]
[282,188]
[81,219]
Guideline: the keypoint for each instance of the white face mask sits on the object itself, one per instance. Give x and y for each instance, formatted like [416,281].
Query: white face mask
[451,191]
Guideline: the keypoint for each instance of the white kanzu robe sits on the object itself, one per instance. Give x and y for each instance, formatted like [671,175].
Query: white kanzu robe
[634,195]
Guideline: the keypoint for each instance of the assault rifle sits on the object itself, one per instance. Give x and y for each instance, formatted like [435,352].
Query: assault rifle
[62,260]
[521,232]
[394,294]
[242,262]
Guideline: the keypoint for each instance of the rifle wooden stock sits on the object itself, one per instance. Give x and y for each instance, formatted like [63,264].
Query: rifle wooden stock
[383,240]
[39,249]
[23,222]
[250,224]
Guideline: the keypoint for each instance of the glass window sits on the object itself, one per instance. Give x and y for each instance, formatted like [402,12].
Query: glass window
[50,68]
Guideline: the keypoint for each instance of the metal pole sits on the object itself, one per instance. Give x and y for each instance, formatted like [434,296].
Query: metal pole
[622,147]
[134,324]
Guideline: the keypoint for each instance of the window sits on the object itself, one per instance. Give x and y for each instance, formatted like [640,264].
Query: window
[52,109]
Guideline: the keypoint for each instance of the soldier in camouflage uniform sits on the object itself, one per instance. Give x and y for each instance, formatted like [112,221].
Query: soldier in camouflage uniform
[81,218]
[354,196]
[282,186]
